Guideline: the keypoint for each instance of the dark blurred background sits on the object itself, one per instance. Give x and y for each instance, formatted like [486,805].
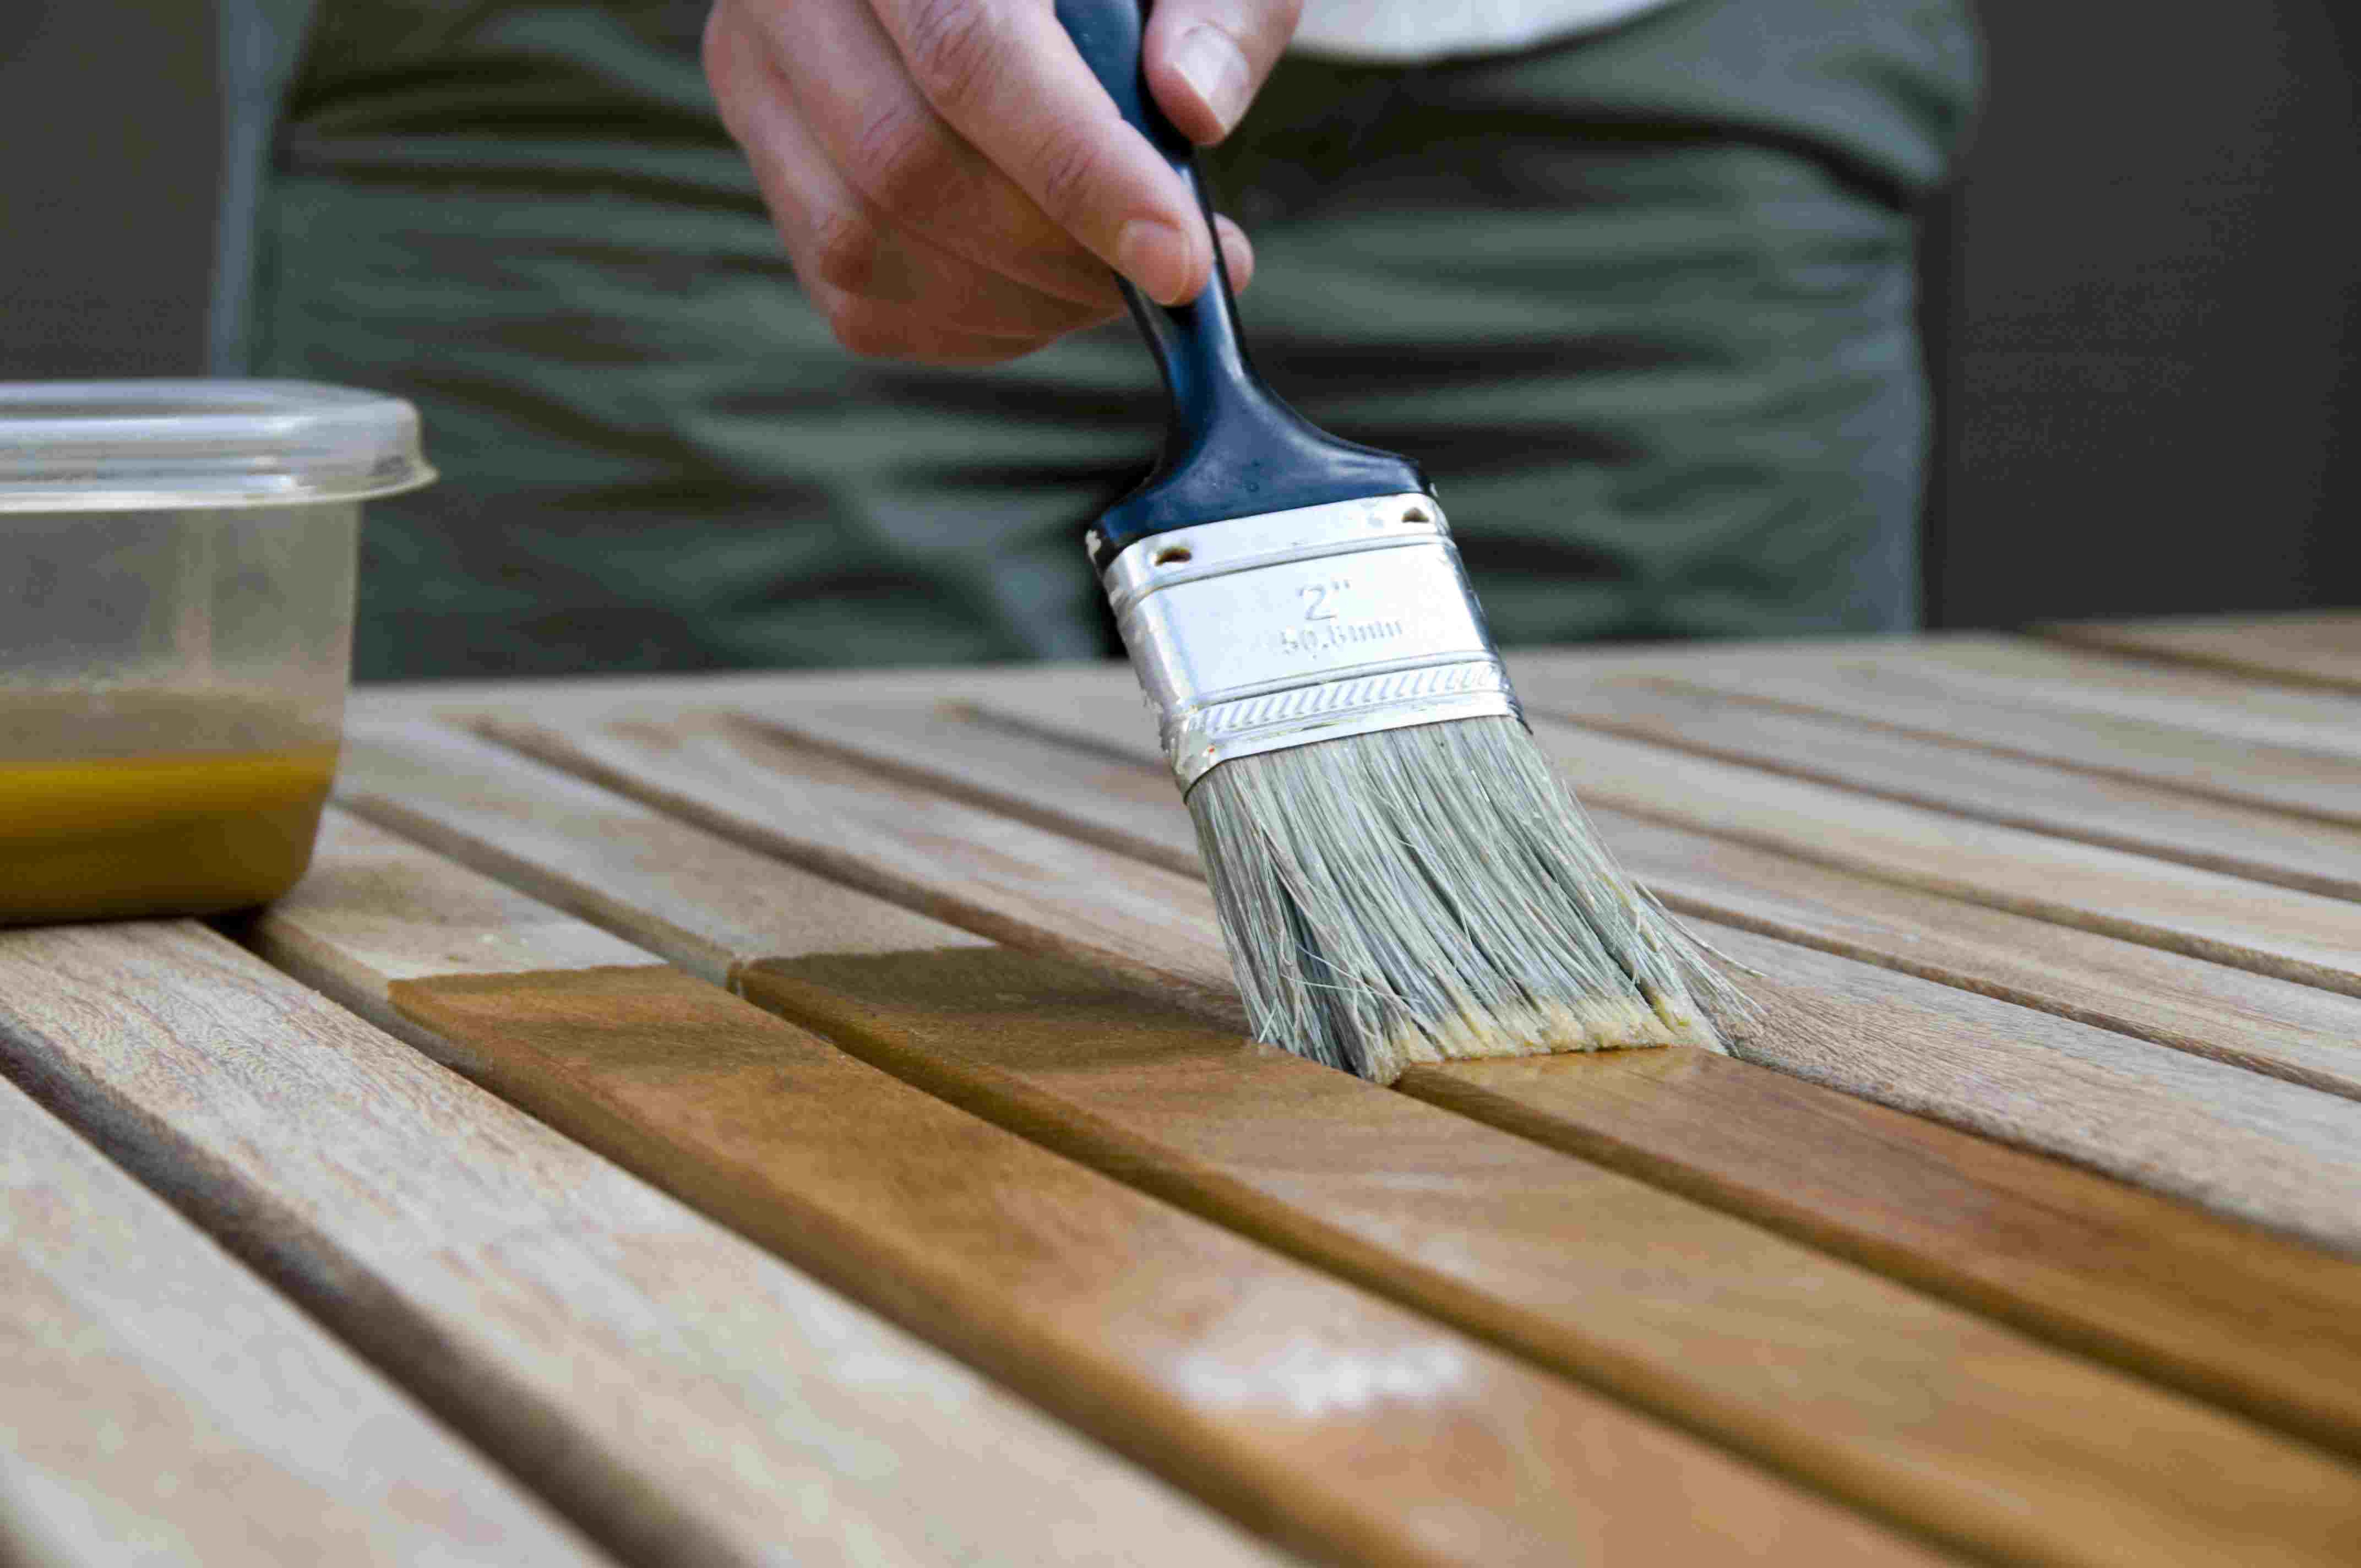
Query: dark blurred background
[2142,298]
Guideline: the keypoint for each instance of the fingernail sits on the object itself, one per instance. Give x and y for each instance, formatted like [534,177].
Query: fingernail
[1216,71]
[1157,257]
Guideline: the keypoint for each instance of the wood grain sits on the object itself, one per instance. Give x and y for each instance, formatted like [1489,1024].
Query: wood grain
[159,1403]
[2180,698]
[683,1397]
[2196,733]
[2043,674]
[2316,648]
[2145,819]
[2297,1032]
[2106,1267]
[1726,1326]
[2270,930]
[1341,1424]
[574,701]
[2267,1151]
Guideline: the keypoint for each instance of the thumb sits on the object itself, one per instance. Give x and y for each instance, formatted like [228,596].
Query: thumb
[1205,60]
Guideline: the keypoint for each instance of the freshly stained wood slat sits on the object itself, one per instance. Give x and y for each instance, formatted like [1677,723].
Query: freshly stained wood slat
[2283,1155]
[2318,648]
[2145,819]
[158,1403]
[1347,1425]
[1451,1216]
[2296,1032]
[2294,751]
[683,1396]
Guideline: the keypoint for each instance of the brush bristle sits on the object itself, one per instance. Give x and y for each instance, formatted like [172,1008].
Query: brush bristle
[1435,893]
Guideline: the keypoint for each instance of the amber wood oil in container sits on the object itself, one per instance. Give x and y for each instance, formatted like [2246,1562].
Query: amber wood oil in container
[176,592]
[128,823]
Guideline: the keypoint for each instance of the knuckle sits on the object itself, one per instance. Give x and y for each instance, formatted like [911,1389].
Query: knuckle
[1066,166]
[907,162]
[950,47]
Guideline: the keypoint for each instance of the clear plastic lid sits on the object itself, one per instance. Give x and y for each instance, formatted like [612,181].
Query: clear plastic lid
[145,446]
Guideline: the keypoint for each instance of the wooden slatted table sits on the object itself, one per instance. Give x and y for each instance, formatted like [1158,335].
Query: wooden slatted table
[804,1118]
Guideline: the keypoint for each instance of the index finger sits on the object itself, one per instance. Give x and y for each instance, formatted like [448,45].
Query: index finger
[1006,77]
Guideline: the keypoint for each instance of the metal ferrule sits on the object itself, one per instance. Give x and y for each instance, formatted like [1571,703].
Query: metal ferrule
[1264,633]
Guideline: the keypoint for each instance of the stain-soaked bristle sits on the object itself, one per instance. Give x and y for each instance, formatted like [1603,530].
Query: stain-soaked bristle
[1435,893]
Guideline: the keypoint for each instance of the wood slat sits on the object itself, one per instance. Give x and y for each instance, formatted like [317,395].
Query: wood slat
[2144,819]
[2270,930]
[2263,1150]
[2318,648]
[2041,673]
[683,1396]
[2180,698]
[158,1403]
[2297,1032]
[571,701]
[1343,1424]
[2200,734]
[1733,1328]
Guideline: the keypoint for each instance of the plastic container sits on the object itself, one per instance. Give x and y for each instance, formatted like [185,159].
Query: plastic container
[176,610]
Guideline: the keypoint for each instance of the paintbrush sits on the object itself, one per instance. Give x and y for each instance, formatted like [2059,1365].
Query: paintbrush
[1400,876]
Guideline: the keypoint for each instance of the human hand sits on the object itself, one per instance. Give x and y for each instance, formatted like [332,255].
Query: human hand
[952,183]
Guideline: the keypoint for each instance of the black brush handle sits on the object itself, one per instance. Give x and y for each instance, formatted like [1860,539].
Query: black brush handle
[1231,447]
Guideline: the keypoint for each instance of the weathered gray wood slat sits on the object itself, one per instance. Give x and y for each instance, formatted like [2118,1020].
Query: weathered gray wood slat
[681,1395]
[2155,820]
[158,1403]
[2194,732]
